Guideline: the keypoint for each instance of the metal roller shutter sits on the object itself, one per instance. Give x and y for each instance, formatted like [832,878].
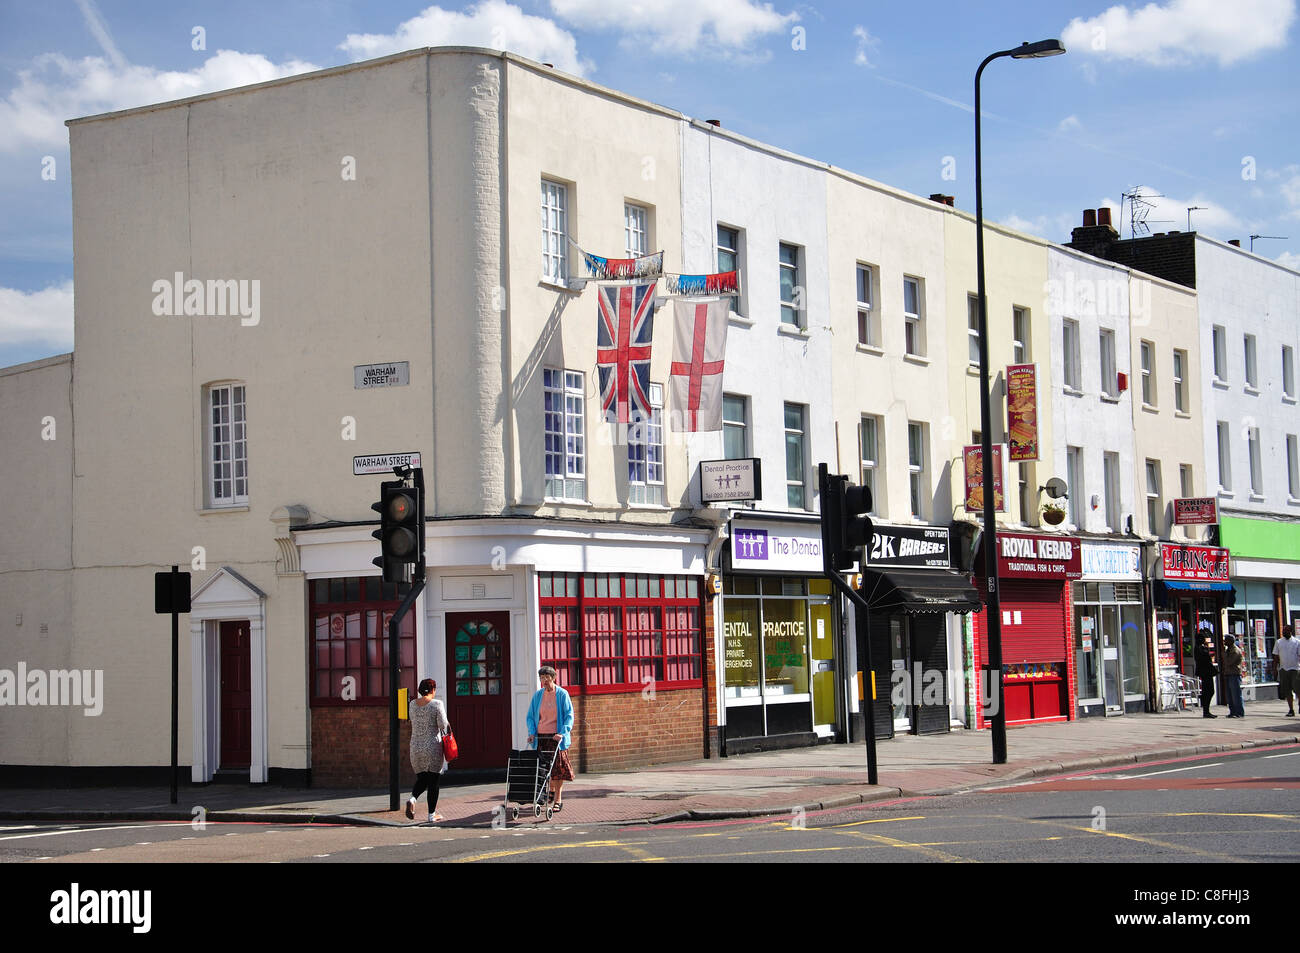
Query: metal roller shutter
[1040,635]
[930,648]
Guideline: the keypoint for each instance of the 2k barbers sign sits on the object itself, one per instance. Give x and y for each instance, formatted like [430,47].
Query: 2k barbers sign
[925,547]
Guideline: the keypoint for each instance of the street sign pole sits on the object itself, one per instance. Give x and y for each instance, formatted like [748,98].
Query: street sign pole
[395,646]
[176,641]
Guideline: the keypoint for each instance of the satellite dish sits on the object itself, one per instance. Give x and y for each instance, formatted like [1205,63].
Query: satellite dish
[1056,488]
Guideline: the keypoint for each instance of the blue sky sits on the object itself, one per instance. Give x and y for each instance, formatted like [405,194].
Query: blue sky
[1193,99]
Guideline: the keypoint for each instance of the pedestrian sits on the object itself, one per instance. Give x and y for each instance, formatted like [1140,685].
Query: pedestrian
[1232,660]
[1287,650]
[428,725]
[1205,671]
[550,722]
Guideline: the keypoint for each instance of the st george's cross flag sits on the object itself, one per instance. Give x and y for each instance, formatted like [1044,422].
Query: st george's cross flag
[699,344]
[624,330]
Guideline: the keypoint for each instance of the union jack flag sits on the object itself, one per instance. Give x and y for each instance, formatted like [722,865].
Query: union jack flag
[626,324]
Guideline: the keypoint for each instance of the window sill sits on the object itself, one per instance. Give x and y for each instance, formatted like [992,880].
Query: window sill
[1288,398]
[1257,498]
[214,510]
[1150,408]
[791,331]
[566,286]
[1219,383]
[1292,501]
[739,320]
[972,370]
[1224,493]
[919,359]
[658,507]
[1252,390]
[1182,414]
[560,501]
[1069,391]
[1114,399]
[870,349]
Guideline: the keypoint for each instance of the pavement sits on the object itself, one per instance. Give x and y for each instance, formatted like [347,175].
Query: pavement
[751,785]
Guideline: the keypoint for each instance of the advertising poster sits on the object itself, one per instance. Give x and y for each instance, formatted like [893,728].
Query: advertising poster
[1022,412]
[973,457]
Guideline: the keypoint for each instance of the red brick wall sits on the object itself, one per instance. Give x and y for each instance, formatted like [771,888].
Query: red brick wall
[627,730]
[349,747]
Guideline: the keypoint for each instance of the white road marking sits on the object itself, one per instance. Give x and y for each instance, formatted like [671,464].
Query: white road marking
[1289,754]
[86,830]
[1190,767]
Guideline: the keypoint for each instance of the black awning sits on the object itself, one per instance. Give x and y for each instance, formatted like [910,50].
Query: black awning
[919,590]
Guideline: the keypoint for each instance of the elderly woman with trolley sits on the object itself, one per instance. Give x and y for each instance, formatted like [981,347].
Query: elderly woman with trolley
[550,724]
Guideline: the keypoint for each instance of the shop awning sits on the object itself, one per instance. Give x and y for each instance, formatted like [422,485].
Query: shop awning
[1161,588]
[919,590]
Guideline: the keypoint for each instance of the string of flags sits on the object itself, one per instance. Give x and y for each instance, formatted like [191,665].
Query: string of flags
[625,326]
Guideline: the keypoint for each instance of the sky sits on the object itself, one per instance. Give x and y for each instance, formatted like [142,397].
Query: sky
[1192,101]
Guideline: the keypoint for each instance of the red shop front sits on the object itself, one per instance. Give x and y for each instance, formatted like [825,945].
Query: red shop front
[1034,573]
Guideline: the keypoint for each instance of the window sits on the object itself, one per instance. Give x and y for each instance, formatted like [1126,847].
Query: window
[555,232]
[1070,353]
[1074,477]
[868,326]
[1219,342]
[729,257]
[869,454]
[1256,474]
[973,329]
[1109,376]
[1252,372]
[796,491]
[1288,372]
[227,445]
[1185,477]
[1020,350]
[735,413]
[610,633]
[791,287]
[1110,476]
[349,625]
[918,483]
[913,318]
[565,434]
[1155,508]
[636,233]
[1180,381]
[1148,357]
[1225,456]
[645,453]
[1292,467]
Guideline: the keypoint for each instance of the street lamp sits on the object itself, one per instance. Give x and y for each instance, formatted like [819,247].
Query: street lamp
[993,604]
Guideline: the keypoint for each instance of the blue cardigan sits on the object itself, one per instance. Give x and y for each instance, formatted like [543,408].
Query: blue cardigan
[563,715]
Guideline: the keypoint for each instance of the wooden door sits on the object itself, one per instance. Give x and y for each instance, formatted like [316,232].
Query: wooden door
[236,696]
[478,701]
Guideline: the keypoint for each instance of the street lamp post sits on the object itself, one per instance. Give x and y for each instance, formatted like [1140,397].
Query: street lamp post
[993,603]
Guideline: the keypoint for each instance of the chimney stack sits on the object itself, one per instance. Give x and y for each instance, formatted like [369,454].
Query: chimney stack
[1096,233]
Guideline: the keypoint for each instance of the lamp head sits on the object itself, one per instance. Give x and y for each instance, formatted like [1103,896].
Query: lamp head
[1027,51]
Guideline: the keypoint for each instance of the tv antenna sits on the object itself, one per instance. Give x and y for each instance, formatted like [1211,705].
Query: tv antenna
[1138,210]
[1280,238]
[1190,210]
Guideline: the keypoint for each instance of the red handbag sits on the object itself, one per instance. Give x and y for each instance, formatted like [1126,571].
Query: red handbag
[450,750]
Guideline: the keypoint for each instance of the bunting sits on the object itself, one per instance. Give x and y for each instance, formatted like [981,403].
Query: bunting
[699,345]
[723,283]
[624,329]
[622,269]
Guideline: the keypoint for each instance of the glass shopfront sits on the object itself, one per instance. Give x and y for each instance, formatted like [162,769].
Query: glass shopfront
[1110,645]
[1253,621]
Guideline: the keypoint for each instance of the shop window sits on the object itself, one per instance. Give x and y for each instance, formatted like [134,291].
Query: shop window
[349,631]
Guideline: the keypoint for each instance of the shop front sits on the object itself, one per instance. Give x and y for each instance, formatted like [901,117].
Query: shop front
[1035,573]
[917,601]
[1110,644]
[1190,590]
[781,638]
[1266,582]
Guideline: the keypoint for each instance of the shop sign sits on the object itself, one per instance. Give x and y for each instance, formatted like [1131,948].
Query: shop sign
[972,458]
[1194,562]
[383,463]
[777,547]
[393,374]
[914,546]
[1196,511]
[1038,557]
[723,481]
[1104,562]
[1022,412]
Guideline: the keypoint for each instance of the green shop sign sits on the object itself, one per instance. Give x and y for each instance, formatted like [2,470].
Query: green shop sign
[1259,539]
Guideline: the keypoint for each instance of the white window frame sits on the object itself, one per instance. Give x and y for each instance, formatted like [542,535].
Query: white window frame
[868,318]
[1070,355]
[1109,372]
[645,453]
[1147,360]
[1293,466]
[1219,350]
[567,389]
[796,484]
[734,250]
[1110,479]
[1074,477]
[1155,518]
[1180,381]
[1288,372]
[1225,455]
[1021,351]
[792,310]
[869,456]
[973,330]
[1252,364]
[732,425]
[225,421]
[917,454]
[1186,480]
[1256,467]
[914,321]
[555,232]
[636,230]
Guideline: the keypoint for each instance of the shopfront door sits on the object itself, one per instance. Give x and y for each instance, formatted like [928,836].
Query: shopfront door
[824,680]
[900,646]
[478,704]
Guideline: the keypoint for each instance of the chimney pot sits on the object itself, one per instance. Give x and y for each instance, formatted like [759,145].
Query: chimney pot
[936,197]
[1089,217]
[714,122]
[1103,216]
[1235,242]
[948,200]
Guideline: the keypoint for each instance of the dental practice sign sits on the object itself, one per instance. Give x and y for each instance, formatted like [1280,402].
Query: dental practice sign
[773,546]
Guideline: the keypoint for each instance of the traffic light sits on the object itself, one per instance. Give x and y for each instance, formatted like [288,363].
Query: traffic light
[846,528]
[401,530]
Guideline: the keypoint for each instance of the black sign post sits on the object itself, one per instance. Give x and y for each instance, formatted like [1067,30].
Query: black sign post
[171,593]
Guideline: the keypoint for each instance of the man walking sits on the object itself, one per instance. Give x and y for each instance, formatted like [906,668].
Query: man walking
[1287,650]
[1205,671]
[1232,677]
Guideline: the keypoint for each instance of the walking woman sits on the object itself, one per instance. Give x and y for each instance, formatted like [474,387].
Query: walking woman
[550,722]
[428,725]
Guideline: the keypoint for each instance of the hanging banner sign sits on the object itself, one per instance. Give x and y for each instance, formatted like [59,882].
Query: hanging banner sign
[1194,562]
[1022,412]
[972,458]
[1196,511]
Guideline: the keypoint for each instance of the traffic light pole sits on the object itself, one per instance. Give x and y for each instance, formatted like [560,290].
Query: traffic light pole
[863,628]
[395,644]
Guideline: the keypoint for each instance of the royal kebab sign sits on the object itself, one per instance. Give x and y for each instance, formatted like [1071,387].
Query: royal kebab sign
[1038,557]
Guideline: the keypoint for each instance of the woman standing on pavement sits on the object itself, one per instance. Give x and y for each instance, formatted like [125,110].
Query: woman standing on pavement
[1232,677]
[1205,671]
[428,725]
[550,722]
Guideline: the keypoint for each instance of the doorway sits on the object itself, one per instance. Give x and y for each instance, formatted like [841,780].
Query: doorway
[478,700]
[236,696]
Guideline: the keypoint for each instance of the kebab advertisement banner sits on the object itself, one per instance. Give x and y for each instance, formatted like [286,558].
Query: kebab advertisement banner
[1022,412]
[972,457]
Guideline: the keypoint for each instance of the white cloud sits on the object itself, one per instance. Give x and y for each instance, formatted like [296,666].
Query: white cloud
[1289,259]
[1069,124]
[56,88]
[491,23]
[866,44]
[1169,214]
[1183,31]
[1291,190]
[681,26]
[37,317]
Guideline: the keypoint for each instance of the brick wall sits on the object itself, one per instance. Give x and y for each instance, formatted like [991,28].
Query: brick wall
[626,730]
[349,747]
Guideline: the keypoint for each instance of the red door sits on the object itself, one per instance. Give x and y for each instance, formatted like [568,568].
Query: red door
[478,703]
[236,696]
